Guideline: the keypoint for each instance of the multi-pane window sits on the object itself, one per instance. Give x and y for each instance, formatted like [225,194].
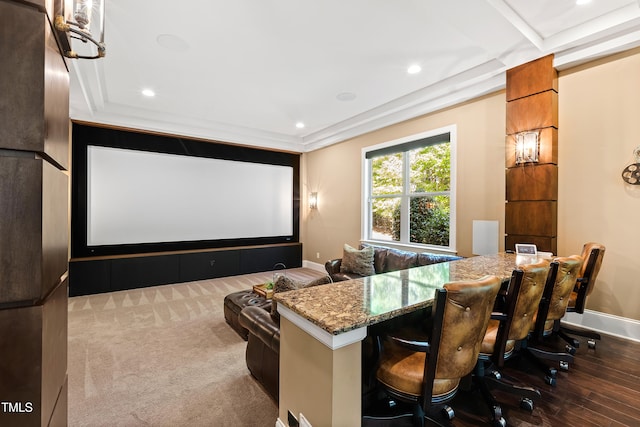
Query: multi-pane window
[409,192]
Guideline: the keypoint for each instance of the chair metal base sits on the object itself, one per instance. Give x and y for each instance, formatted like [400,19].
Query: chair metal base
[388,412]
[565,332]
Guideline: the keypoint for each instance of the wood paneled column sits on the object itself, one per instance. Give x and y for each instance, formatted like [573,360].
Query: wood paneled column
[532,188]
[34,199]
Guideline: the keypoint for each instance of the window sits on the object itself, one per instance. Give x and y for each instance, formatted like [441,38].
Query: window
[409,191]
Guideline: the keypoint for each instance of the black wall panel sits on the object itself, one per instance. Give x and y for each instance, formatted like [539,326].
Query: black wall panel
[140,272]
[207,265]
[265,259]
[89,277]
[85,136]
[92,276]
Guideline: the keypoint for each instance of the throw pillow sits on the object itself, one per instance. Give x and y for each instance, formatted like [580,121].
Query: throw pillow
[284,283]
[357,261]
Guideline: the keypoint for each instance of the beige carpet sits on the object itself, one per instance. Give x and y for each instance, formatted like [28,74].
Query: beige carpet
[164,356]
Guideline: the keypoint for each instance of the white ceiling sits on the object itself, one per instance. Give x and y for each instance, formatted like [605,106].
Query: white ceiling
[246,71]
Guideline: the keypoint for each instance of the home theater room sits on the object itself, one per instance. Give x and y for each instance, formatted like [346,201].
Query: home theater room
[302,213]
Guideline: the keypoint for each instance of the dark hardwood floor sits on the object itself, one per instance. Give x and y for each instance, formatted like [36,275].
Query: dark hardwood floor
[601,388]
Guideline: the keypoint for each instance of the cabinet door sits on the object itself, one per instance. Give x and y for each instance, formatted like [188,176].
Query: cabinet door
[254,260]
[208,265]
[89,277]
[131,273]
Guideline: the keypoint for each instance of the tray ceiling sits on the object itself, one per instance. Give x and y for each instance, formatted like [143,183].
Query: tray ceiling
[247,71]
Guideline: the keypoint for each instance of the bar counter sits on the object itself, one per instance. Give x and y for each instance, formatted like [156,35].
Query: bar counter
[344,306]
[321,329]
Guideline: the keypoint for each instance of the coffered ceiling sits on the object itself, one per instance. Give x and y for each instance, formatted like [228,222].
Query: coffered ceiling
[248,71]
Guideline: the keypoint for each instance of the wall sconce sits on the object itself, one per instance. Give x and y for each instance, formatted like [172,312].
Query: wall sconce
[313,200]
[86,14]
[631,174]
[527,147]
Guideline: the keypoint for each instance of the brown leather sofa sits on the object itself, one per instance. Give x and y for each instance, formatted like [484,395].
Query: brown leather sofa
[263,347]
[263,343]
[386,260]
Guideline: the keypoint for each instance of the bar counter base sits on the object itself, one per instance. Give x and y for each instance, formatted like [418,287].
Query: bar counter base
[319,382]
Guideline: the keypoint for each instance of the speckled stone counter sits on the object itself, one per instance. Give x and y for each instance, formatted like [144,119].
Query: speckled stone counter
[345,306]
[321,329]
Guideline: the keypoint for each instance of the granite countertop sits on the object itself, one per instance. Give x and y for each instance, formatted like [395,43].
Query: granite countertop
[345,306]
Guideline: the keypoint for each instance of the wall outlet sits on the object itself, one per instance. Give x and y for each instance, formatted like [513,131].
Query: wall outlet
[318,255]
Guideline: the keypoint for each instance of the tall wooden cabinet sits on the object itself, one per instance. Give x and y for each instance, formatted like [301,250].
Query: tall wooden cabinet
[34,200]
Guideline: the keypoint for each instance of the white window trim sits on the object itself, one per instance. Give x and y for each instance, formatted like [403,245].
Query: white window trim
[366,192]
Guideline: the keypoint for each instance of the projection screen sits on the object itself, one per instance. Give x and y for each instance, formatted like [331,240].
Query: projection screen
[138,197]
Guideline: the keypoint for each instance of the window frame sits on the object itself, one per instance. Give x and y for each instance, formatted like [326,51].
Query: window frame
[367,190]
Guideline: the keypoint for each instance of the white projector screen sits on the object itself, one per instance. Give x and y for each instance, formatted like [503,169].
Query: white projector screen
[138,197]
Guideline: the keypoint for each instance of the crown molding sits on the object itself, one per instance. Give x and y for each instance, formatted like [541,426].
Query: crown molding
[187,127]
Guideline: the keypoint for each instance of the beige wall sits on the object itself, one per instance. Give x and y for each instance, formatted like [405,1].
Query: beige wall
[599,112]
[322,384]
[335,173]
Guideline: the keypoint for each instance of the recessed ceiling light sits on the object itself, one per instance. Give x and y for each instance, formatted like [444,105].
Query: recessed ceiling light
[300,125]
[581,2]
[414,69]
[148,93]
[346,96]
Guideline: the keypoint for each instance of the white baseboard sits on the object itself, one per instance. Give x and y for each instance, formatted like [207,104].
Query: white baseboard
[314,266]
[621,327]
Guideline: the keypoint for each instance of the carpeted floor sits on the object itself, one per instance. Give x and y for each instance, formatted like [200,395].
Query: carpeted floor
[164,356]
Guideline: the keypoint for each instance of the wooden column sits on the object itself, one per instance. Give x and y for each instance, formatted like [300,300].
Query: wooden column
[532,188]
[34,199]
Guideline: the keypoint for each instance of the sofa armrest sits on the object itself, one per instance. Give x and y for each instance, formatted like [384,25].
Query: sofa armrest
[333,266]
[259,323]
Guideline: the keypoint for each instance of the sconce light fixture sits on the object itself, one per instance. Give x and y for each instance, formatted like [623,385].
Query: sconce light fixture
[88,18]
[631,174]
[313,200]
[527,147]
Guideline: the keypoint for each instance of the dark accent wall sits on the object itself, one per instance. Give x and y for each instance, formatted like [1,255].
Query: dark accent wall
[85,135]
[118,267]
[34,182]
